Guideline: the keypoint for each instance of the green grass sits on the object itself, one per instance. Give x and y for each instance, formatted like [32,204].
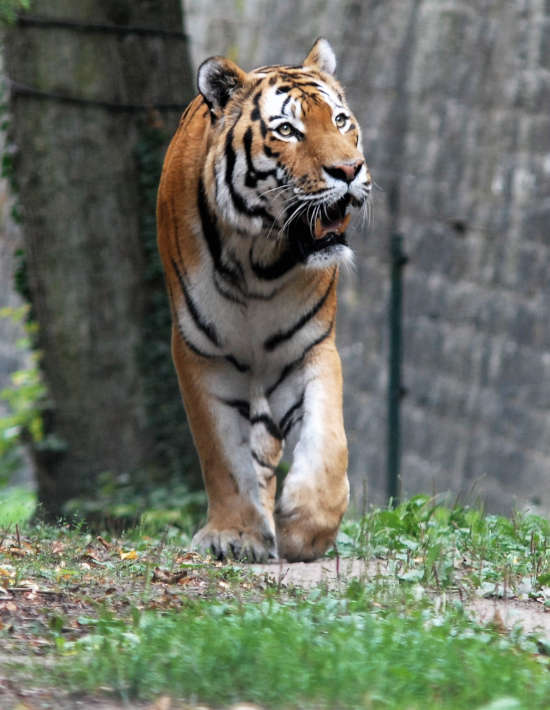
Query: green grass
[397,639]
[454,547]
[17,504]
[318,652]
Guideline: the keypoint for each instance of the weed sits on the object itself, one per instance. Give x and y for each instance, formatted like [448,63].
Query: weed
[454,547]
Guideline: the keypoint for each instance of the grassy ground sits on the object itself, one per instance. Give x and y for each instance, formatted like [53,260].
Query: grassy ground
[138,617]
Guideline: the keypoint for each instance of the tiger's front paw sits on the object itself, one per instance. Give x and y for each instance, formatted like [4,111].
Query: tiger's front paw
[303,537]
[232,543]
[307,523]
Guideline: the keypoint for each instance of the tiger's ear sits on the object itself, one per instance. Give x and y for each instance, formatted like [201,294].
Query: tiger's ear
[218,78]
[321,56]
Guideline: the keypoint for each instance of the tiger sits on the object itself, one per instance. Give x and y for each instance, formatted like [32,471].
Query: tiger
[254,200]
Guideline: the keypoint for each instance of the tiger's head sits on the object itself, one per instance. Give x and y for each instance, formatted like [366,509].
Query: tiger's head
[284,156]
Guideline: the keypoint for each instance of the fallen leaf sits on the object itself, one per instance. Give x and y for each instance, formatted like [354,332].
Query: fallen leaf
[160,575]
[18,552]
[189,557]
[91,557]
[6,576]
[58,547]
[103,542]
[130,555]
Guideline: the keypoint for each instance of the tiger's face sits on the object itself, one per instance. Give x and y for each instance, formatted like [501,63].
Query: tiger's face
[285,154]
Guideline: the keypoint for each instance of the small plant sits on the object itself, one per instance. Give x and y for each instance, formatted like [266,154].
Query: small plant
[124,502]
[25,398]
[459,547]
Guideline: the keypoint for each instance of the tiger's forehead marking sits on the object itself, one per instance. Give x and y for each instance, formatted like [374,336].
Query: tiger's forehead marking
[290,95]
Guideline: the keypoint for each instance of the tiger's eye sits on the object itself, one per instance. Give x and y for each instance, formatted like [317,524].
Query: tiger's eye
[285,129]
[341,120]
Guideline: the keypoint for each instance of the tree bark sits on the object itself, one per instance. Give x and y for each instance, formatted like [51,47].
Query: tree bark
[86,172]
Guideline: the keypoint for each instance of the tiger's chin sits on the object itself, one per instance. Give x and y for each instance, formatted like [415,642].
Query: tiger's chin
[333,255]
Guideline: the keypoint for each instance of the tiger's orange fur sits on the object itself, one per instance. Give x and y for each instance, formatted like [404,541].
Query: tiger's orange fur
[252,212]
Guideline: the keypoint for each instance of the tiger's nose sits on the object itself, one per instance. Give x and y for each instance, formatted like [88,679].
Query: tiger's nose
[345,171]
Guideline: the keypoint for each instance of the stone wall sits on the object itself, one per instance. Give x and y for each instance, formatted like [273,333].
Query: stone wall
[454,102]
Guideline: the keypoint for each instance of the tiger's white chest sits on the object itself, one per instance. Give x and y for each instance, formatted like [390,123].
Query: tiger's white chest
[260,333]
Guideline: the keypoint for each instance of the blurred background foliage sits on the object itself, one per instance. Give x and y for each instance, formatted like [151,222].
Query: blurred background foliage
[9,9]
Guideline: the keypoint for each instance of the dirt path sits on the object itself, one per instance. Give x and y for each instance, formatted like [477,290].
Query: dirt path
[511,612]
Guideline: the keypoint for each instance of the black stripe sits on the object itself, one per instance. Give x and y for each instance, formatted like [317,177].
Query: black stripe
[234,481]
[263,127]
[192,346]
[315,85]
[180,332]
[288,369]
[241,405]
[226,294]
[205,327]
[275,340]
[293,74]
[270,153]
[238,201]
[252,174]
[286,422]
[188,115]
[241,366]
[278,268]
[269,424]
[293,423]
[212,236]
[262,462]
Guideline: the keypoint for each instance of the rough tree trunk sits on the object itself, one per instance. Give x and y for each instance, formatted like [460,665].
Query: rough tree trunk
[86,176]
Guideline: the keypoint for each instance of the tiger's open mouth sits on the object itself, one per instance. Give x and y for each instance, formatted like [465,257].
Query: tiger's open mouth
[328,230]
[333,221]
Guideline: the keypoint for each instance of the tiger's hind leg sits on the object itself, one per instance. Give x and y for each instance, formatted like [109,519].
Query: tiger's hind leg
[316,490]
[227,430]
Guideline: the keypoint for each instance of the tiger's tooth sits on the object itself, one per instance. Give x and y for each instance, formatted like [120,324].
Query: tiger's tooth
[345,222]
[318,228]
